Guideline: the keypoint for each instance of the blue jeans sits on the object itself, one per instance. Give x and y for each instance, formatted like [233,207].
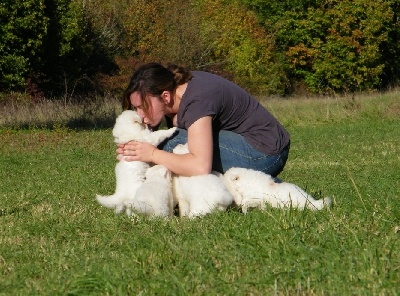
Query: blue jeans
[232,150]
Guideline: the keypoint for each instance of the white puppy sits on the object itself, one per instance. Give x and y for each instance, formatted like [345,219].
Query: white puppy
[154,196]
[199,195]
[252,189]
[130,174]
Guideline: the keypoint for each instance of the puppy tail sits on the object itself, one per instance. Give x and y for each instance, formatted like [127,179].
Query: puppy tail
[112,202]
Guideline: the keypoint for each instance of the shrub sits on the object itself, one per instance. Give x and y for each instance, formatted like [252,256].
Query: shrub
[242,46]
[23,26]
[77,46]
[57,45]
[337,48]
[199,34]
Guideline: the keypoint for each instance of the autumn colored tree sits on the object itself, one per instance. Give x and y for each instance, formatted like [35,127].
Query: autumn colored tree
[243,47]
[209,35]
[70,46]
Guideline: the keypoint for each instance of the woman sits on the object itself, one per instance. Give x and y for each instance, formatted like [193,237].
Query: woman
[222,124]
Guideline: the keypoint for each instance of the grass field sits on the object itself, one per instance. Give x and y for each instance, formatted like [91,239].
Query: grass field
[56,240]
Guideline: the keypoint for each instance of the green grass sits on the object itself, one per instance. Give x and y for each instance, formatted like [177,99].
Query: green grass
[56,240]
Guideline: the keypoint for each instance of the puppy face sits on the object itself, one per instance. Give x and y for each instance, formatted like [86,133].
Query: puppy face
[128,126]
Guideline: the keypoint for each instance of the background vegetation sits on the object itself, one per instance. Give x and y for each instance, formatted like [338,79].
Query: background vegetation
[57,240]
[53,48]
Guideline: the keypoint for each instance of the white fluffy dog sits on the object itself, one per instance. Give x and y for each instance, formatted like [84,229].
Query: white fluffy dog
[199,195]
[154,196]
[252,189]
[130,175]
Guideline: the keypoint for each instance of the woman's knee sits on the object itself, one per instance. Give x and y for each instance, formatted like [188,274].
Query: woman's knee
[276,167]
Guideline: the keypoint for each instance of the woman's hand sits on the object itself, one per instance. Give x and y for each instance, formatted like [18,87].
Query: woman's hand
[135,151]
[197,162]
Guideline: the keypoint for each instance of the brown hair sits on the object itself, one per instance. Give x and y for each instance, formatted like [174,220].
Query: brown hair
[153,79]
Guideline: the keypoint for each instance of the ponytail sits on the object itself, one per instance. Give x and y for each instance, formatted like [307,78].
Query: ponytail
[181,74]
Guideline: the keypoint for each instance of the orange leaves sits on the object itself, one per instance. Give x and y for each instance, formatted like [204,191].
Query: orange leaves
[300,55]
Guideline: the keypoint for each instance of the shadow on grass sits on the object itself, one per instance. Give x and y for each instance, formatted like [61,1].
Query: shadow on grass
[86,114]
[83,123]
[76,124]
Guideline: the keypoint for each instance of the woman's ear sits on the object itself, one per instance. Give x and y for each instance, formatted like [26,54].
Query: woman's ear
[166,97]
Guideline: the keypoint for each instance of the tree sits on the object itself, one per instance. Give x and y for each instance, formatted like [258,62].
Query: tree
[339,47]
[390,48]
[23,27]
[76,46]
[242,46]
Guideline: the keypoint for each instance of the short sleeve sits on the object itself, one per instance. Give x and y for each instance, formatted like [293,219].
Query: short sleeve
[195,109]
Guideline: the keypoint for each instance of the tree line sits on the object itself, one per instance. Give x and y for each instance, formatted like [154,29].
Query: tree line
[57,47]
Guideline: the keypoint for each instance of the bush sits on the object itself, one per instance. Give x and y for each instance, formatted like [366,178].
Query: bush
[335,46]
[77,47]
[57,45]
[66,47]
[23,26]
[199,34]
[243,47]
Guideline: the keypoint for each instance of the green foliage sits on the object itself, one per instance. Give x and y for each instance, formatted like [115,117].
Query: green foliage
[76,48]
[242,46]
[332,46]
[335,46]
[391,48]
[339,49]
[273,10]
[23,26]
[70,46]
[61,43]
[199,35]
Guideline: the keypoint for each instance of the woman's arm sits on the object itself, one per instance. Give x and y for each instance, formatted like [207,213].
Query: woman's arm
[197,162]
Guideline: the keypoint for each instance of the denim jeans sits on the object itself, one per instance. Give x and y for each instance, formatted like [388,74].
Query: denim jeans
[232,150]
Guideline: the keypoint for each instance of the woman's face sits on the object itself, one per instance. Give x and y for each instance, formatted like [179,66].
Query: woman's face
[153,116]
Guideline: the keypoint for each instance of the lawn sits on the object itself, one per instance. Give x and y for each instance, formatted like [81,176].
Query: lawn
[56,240]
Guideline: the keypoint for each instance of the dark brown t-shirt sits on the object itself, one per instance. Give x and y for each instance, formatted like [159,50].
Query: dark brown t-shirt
[232,109]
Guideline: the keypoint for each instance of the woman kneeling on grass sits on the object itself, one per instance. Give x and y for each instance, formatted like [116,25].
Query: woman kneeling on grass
[222,124]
